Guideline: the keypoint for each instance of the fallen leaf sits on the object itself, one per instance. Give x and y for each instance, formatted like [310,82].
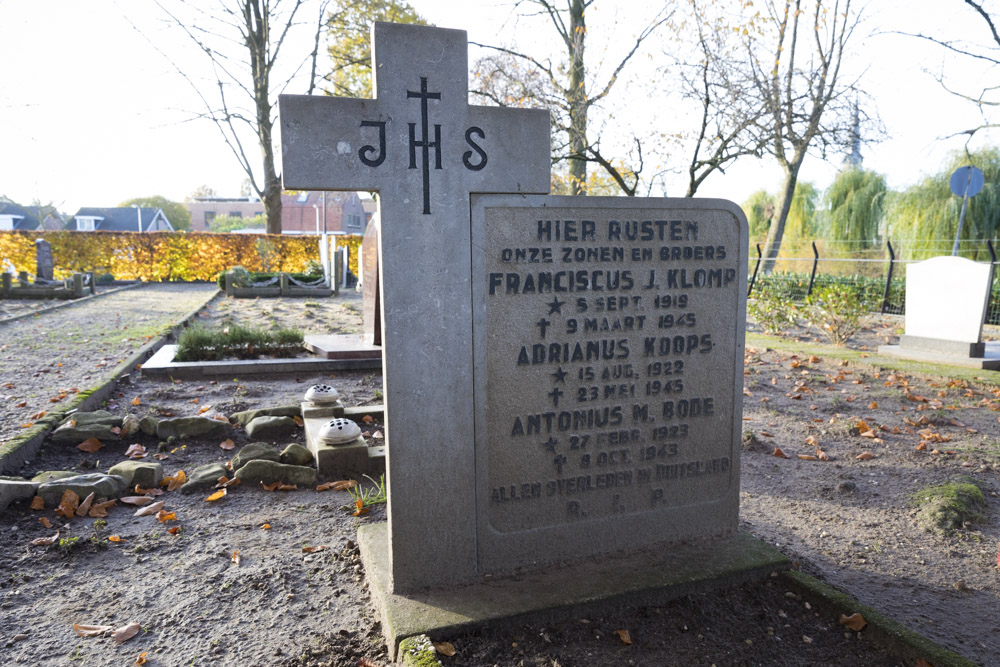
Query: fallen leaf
[368,419]
[865,456]
[44,520]
[767,434]
[147,492]
[814,359]
[862,426]
[624,636]
[100,510]
[141,660]
[91,630]
[812,440]
[151,509]
[161,457]
[125,633]
[135,451]
[163,516]
[204,409]
[221,493]
[227,444]
[780,454]
[39,415]
[175,481]
[265,526]
[136,500]
[67,506]
[115,538]
[236,557]
[269,487]
[174,530]
[298,420]
[855,621]
[873,405]
[821,455]
[359,507]
[84,507]
[312,550]
[22,404]
[287,487]
[378,435]
[922,447]
[45,541]
[324,486]
[38,503]
[90,445]
[135,401]
[808,457]
[445,648]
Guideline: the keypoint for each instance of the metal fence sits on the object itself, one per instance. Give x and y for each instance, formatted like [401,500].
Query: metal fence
[877,273]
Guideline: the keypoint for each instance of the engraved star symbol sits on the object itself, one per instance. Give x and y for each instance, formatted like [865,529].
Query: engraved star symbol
[560,375]
[556,306]
[550,444]
[543,324]
[554,395]
[559,461]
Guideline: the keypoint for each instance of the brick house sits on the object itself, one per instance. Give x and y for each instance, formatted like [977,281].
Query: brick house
[299,212]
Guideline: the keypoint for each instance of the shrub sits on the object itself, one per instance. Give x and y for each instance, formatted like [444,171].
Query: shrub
[235,341]
[773,311]
[837,310]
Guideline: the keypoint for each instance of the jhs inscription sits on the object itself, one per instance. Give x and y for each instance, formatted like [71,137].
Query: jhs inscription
[603,338]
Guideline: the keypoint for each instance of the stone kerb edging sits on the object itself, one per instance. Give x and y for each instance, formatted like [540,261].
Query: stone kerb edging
[65,304]
[21,448]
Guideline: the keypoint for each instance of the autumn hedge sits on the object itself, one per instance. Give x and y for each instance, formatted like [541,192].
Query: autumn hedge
[164,256]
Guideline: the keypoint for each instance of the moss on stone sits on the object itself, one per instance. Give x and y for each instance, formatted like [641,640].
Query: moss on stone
[946,507]
[418,651]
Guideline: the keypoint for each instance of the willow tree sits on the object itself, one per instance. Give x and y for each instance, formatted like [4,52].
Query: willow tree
[853,207]
[924,217]
[801,225]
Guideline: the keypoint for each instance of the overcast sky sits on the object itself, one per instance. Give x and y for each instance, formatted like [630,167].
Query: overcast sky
[93,113]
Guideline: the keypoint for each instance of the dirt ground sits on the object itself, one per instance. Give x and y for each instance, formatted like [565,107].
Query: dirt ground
[848,521]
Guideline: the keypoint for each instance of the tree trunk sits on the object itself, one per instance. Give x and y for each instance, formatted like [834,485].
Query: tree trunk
[777,228]
[577,98]
[257,23]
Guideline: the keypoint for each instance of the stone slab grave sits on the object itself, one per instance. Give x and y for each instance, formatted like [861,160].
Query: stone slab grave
[44,286]
[367,345]
[946,305]
[562,375]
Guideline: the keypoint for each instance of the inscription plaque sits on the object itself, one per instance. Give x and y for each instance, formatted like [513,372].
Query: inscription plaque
[609,395]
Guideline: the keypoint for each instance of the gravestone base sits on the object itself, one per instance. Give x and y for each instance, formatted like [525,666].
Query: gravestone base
[567,591]
[988,361]
[346,346]
[355,458]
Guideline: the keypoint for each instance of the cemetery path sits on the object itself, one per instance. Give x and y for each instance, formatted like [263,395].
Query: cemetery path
[847,521]
[58,353]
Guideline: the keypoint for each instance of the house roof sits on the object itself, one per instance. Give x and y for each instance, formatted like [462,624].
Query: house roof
[123,219]
[26,221]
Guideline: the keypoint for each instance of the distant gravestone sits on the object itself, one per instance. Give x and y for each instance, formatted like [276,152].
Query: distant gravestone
[43,260]
[371,310]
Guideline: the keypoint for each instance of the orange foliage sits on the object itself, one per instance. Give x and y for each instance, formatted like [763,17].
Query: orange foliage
[163,256]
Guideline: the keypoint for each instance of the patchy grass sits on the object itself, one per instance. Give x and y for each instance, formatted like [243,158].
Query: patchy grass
[946,507]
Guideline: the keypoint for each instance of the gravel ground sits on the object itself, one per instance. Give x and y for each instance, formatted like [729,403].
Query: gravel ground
[846,520]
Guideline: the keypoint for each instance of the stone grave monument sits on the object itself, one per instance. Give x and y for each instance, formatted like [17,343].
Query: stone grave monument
[946,304]
[43,261]
[562,375]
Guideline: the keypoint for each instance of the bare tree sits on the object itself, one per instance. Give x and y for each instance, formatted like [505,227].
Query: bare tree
[567,91]
[730,106]
[796,70]
[243,44]
[986,50]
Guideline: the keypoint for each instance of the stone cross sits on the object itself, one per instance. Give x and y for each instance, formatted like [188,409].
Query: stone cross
[424,149]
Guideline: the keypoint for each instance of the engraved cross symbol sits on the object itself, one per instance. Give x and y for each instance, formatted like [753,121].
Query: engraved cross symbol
[423,143]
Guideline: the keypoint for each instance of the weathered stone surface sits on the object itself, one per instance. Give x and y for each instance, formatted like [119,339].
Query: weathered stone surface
[130,425]
[247,416]
[255,451]
[77,434]
[51,475]
[268,472]
[296,455]
[95,417]
[204,478]
[13,490]
[148,425]
[146,474]
[271,428]
[101,485]
[189,427]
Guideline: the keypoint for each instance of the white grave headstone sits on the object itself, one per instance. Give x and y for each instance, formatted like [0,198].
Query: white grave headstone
[946,300]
